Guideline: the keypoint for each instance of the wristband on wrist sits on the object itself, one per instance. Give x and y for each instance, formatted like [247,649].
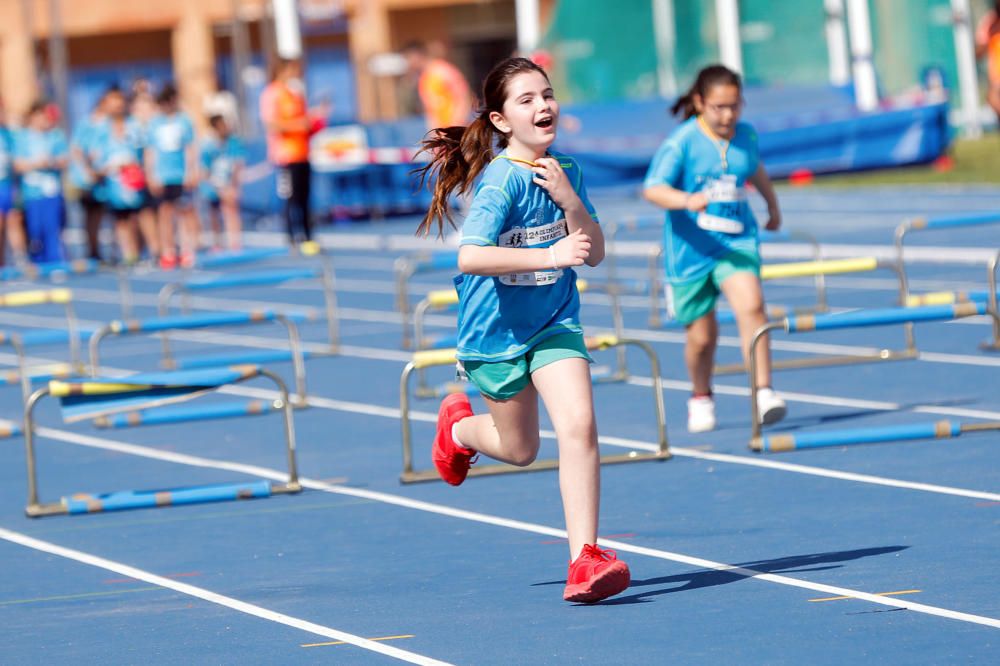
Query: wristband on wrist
[552,257]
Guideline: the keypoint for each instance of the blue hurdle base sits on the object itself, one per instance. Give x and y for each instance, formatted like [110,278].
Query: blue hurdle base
[141,499]
[815,440]
[161,415]
[237,358]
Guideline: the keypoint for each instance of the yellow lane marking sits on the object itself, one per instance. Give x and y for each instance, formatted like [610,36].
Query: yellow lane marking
[71,597]
[383,638]
[878,594]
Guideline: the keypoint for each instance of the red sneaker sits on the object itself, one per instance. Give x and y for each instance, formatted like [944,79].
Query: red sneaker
[596,574]
[452,461]
[168,262]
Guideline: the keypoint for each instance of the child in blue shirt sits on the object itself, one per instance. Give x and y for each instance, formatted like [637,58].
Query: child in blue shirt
[699,176]
[119,161]
[221,161]
[41,153]
[10,223]
[519,335]
[171,171]
[83,177]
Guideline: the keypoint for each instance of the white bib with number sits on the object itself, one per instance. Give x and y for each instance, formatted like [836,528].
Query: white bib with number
[725,202]
[531,237]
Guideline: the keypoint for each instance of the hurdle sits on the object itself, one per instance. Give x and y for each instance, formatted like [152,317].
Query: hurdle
[442,357]
[21,341]
[324,273]
[831,267]
[935,224]
[408,266]
[202,321]
[948,297]
[858,319]
[89,398]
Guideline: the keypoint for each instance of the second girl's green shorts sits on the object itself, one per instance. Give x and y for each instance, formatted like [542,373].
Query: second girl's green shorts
[502,380]
[693,300]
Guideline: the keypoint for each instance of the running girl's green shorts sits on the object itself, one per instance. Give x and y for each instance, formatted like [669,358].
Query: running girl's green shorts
[692,300]
[502,380]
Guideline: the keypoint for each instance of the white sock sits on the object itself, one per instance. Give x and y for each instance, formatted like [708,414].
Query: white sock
[454,436]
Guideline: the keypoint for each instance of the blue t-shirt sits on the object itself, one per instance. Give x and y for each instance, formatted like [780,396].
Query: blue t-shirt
[119,155]
[85,139]
[32,144]
[219,159]
[6,156]
[169,137]
[500,318]
[691,160]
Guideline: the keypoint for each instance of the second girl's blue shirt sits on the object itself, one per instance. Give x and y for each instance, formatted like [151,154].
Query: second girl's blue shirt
[690,160]
[500,318]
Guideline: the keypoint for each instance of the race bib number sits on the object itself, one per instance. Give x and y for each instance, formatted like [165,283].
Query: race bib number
[170,138]
[533,237]
[726,200]
[47,183]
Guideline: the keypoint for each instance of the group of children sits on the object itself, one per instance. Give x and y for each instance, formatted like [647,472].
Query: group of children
[529,224]
[134,159]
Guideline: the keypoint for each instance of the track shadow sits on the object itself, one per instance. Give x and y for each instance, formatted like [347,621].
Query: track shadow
[710,578]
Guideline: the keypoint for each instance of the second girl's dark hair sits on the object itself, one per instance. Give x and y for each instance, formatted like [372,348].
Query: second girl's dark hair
[459,154]
[713,75]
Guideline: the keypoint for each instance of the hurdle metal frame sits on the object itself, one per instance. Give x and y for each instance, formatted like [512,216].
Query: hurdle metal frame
[324,273]
[20,341]
[934,224]
[36,509]
[408,266]
[442,357]
[833,267]
[151,326]
[857,319]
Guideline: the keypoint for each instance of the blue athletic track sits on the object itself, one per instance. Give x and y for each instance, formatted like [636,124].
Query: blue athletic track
[883,552]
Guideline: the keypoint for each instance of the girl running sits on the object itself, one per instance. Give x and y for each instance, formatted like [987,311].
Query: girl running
[699,175]
[519,335]
[988,46]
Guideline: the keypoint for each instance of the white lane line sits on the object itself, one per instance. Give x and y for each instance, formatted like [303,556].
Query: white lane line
[213,597]
[474,516]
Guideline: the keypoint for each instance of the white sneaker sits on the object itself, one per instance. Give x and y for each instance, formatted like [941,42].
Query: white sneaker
[770,407]
[701,414]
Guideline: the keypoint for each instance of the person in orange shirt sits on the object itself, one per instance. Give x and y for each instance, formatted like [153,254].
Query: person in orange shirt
[988,45]
[289,124]
[444,92]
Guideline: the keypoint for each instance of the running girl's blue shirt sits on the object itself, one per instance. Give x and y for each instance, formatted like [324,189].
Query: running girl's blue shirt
[690,160]
[169,137]
[32,144]
[501,318]
[120,156]
[85,138]
[218,159]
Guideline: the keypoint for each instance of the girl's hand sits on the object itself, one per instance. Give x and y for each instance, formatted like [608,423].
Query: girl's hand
[572,250]
[696,202]
[774,220]
[551,178]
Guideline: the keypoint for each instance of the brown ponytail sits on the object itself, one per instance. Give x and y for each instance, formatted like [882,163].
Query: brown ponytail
[459,154]
[713,75]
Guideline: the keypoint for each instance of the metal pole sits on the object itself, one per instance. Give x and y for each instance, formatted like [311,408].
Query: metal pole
[287,35]
[728,18]
[241,61]
[862,63]
[665,34]
[528,25]
[965,56]
[836,43]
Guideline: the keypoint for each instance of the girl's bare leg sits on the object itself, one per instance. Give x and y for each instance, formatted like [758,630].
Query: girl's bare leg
[746,298]
[509,433]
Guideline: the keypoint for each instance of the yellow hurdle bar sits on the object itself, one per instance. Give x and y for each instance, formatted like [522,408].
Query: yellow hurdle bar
[18,299]
[822,267]
[441,357]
